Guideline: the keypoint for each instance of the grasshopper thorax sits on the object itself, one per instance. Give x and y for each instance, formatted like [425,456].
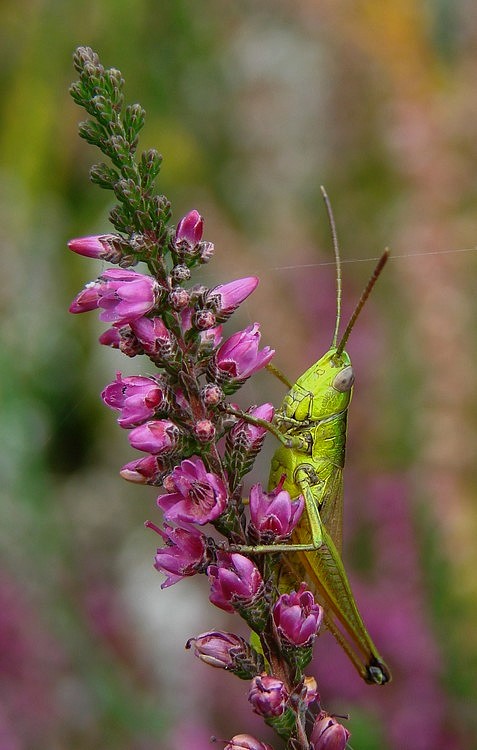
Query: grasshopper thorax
[323,391]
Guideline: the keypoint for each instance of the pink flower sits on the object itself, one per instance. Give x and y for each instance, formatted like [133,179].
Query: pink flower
[235,580]
[124,296]
[146,470]
[136,397]
[268,696]
[274,515]
[95,246]
[252,435]
[225,298]
[153,335]
[198,497]
[297,617]
[156,436]
[185,553]
[190,228]
[246,742]
[219,649]
[328,734]
[239,356]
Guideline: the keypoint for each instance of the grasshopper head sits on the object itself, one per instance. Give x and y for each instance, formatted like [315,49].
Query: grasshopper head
[324,389]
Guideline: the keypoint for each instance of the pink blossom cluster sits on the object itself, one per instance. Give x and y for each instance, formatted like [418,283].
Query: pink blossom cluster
[194,445]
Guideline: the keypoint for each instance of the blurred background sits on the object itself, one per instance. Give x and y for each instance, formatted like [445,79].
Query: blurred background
[253,105]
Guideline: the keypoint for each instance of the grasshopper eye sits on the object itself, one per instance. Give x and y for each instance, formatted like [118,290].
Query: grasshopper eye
[344,380]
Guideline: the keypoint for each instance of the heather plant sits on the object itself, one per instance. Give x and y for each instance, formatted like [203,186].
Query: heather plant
[194,442]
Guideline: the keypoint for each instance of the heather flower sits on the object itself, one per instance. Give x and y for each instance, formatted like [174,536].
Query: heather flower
[268,696]
[246,742]
[297,617]
[190,228]
[328,734]
[252,435]
[96,246]
[136,397]
[146,470]
[198,495]
[274,514]
[156,436]
[124,296]
[185,553]
[234,582]
[239,357]
[153,335]
[225,298]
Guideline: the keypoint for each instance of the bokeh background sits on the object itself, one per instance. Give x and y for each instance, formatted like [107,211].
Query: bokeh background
[253,105]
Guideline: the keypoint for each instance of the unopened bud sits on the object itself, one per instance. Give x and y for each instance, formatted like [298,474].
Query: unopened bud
[204,319]
[212,395]
[246,742]
[179,298]
[206,251]
[204,430]
[180,273]
[328,734]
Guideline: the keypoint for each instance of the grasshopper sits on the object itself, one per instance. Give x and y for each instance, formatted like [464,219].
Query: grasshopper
[311,427]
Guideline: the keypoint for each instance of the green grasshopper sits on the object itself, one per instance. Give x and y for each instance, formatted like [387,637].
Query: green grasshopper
[311,427]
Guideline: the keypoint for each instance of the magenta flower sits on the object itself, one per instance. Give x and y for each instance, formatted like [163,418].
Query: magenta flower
[218,649]
[297,617]
[198,495]
[234,581]
[225,298]
[252,435]
[246,742]
[146,470]
[274,514]
[95,246]
[136,397]
[328,734]
[268,696]
[124,296]
[156,436]
[239,356]
[190,228]
[185,553]
[153,335]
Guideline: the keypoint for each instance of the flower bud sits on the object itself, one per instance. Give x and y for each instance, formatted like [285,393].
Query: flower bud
[180,273]
[206,251]
[190,228]
[227,651]
[246,742]
[204,430]
[268,696]
[179,298]
[225,298]
[328,734]
[211,395]
[156,436]
[96,246]
[147,470]
[204,320]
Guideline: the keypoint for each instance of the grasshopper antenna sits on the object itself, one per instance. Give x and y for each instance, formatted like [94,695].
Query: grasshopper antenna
[334,237]
[367,291]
